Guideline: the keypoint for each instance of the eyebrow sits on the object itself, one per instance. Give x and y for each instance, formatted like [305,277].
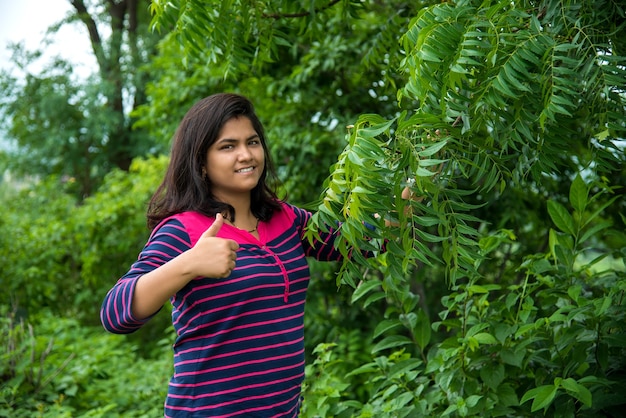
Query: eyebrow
[233,140]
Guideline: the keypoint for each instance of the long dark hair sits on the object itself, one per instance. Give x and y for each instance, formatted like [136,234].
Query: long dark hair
[184,187]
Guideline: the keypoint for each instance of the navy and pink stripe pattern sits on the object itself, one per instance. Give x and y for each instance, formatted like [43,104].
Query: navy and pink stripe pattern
[239,350]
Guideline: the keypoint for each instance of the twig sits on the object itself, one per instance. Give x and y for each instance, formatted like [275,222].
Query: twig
[57,371]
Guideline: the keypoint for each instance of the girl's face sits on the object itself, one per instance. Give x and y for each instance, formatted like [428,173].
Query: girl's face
[236,160]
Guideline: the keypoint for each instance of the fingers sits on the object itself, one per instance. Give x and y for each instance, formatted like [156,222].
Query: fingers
[407,193]
[218,256]
[227,271]
[215,227]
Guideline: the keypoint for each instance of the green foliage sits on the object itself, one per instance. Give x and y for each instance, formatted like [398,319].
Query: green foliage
[119,205]
[36,245]
[238,44]
[497,88]
[325,384]
[58,129]
[54,367]
[58,124]
[556,338]
[335,66]
[63,256]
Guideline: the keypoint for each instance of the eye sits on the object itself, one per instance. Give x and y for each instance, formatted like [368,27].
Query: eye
[254,142]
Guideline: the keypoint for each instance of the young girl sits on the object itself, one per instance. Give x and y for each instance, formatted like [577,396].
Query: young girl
[230,257]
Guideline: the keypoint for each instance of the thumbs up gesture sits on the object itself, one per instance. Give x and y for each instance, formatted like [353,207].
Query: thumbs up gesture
[213,256]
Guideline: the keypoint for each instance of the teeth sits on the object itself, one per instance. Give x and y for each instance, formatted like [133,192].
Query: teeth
[245,170]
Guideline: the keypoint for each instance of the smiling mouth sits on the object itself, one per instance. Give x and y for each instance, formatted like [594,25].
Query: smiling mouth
[245,170]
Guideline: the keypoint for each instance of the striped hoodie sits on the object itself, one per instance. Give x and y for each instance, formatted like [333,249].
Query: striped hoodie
[239,348]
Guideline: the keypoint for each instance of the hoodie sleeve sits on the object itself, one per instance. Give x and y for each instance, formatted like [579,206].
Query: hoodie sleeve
[323,249]
[167,241]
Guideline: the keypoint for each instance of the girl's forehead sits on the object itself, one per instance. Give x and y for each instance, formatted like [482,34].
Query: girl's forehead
[237,127]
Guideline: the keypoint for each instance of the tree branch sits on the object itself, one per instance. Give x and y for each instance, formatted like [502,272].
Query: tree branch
[94,35]
[277,16]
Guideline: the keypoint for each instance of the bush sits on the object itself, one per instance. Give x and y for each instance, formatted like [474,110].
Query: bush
[64,255]
[547,339]
[54,367]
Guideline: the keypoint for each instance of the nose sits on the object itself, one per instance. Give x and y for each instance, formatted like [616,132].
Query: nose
[244,153]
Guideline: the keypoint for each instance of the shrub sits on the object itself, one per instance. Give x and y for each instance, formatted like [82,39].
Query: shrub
[54,367]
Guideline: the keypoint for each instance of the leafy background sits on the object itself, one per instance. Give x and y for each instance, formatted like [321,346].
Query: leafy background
[500,291]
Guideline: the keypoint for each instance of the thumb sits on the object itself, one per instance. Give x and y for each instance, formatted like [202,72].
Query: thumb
[214,229]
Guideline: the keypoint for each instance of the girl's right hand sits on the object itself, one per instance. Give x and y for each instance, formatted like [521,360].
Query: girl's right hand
[213,256]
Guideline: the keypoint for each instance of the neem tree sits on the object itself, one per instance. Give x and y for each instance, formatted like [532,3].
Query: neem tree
[510,120]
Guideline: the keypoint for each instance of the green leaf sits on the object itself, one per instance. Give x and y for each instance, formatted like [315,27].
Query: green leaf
[362,190]
[602,305]
[507,395]
[579,391]
[601,226]
[578,194]
[478,289]
[373,298]
[502,87]
[574,292]
[375,130]
[433,149]
[475,329]
[366,368]
[385,326]
[392,341]
[422,330]
[472,400]
[485,338]
[542,396]
[354,157]
[492,375]
[363,288]
[561,217]
[513,357]
[402,367]
[598,211]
